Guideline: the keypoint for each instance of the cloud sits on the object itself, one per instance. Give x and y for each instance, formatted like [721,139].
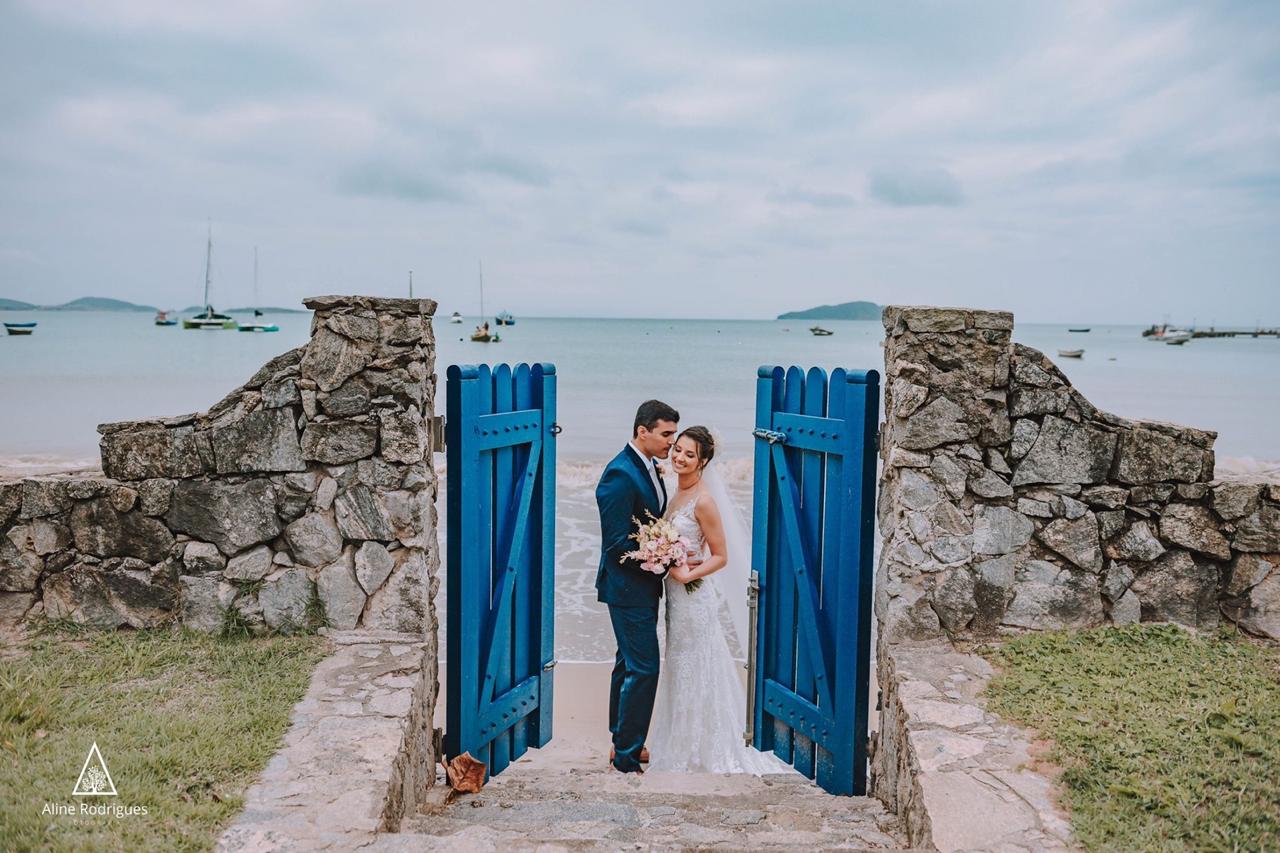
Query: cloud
[905,187]
[383,180]
[821,199]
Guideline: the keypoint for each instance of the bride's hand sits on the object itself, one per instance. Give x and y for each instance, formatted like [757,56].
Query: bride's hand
[681,574]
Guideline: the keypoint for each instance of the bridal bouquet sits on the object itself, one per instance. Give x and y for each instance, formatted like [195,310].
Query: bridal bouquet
[661,548]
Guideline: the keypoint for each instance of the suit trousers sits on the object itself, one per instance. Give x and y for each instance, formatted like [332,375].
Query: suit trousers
[634,683]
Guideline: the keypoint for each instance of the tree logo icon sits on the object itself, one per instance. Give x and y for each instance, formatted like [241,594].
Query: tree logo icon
[95,778]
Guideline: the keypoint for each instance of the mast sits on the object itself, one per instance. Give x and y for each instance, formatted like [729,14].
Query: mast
[255,276]
[482,315]
[208,262]
[410,284]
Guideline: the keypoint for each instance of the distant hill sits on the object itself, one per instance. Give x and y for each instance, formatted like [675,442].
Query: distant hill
[15,305]
[98,303]
[843,311]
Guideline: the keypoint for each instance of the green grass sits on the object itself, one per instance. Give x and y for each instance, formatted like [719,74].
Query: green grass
[184,723]
[1167,741]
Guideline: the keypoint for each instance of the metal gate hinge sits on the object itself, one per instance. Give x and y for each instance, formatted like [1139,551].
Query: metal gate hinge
[556,429]
[769,435]
[435,433]
[549,665]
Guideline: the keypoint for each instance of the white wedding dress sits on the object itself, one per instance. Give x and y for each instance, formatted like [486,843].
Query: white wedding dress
[700,712]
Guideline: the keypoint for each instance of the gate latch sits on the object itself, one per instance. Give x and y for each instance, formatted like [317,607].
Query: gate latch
[556,429]
[769,435]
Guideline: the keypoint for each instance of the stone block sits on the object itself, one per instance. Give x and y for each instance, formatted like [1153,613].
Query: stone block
[261,441]
[284,598]
[403,435]
[331,358]
[14,607]
[1024,436]
[1178,588]
[200,558]
[205,601]
[940,422]
[154,496]
[10,500]
[1111,497]
[150,451]
[1259,612]
[999,530]
[251,565]
[907,397]
[373,565]
[1233,500]
[1065,452]
[1116,581]
[361,515]
[1039,401]
[1147,456]
[110,599]
[340,593]
[1051,597]
[314,539]
[1137,543]
[1259,531]
[281,392]
[43,496]
[339,442]
[1076,540]
[352,398]
[233,516]
[953,599]
[401,603]
[1249,570]
[20,565]
[99,529]
[928,319]
[1194,527]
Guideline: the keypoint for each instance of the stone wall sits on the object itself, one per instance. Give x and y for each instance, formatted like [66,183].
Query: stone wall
[1008,501]
[307,494]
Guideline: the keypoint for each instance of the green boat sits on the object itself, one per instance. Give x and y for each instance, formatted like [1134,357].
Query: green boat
[209,319]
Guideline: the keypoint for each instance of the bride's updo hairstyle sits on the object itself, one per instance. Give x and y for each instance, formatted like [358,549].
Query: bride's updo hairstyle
[701,436]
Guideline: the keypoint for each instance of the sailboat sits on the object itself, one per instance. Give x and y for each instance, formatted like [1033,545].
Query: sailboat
[209,319]
[482,335]
[256,326]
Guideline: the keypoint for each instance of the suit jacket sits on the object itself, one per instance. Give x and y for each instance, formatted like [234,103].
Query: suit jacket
[624,495]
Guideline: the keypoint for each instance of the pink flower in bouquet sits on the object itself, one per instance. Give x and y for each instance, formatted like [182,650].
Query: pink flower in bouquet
[660,546]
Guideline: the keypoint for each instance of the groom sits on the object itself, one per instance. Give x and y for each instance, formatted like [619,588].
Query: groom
[629,488]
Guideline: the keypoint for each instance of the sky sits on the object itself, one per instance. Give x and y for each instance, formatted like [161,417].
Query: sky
[1084,161]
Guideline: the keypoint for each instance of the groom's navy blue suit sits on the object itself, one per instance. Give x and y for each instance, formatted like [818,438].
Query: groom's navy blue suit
[624,495]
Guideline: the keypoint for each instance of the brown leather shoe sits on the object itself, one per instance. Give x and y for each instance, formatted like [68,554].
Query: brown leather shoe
[644,755]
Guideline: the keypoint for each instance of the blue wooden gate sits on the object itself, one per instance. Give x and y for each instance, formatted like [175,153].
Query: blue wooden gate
[500,445]
[813,522]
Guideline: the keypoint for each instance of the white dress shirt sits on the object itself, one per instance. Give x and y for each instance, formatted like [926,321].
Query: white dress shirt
[650,467]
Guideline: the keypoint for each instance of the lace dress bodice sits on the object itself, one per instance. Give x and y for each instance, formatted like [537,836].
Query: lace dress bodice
[700,713]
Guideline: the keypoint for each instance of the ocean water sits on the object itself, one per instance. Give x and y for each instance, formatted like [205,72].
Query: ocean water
[81,369]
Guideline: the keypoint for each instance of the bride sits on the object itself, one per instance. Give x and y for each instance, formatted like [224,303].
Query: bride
[701,706]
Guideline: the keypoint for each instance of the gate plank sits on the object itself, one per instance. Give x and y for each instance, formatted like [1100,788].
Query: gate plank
[545,561]
[498,669]
[835,761]
[764,532]
[522,641]
[784,597]
[810,490]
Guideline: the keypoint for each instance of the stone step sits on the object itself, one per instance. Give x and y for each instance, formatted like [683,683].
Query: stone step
[540,803]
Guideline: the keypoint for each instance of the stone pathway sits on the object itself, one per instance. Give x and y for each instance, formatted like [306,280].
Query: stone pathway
[565,797]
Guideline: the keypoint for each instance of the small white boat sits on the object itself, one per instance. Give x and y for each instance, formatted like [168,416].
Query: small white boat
[455,318]
[1176,337]
[257,325]
[1071,353]
[210,319]
[820,332]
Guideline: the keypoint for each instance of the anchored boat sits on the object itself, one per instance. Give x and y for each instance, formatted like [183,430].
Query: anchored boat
[19,328]
[482,335]
[163,319]
[255,326]
[455,318]
[209,319]
[820,332]
[1071,353]
[505,319]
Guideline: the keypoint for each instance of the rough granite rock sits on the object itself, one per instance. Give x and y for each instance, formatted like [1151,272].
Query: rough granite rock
[1194,527]
[373,564]
[150,450]
[341,595]
[99,529]
[20,565]
[1024,437]
[953,600]
[1259,531]
[1248,570]
[98,599]
[1146,456]
[999,530]
[284,598]
[1076,540]
[251,565]
[403,435]
[154,496]
[349,400]
[1117,580]
[937,423]
[1178,588]
[1065,452]
[205,601]
[339,442]
[1136,543]
[361,516]
[1110,497]
[1051,597]
[1233,500]
[401,603]
[1259,612]
[44,496]
[233,516]
[202,558]
[261,441]
[332,359]
[314,539]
